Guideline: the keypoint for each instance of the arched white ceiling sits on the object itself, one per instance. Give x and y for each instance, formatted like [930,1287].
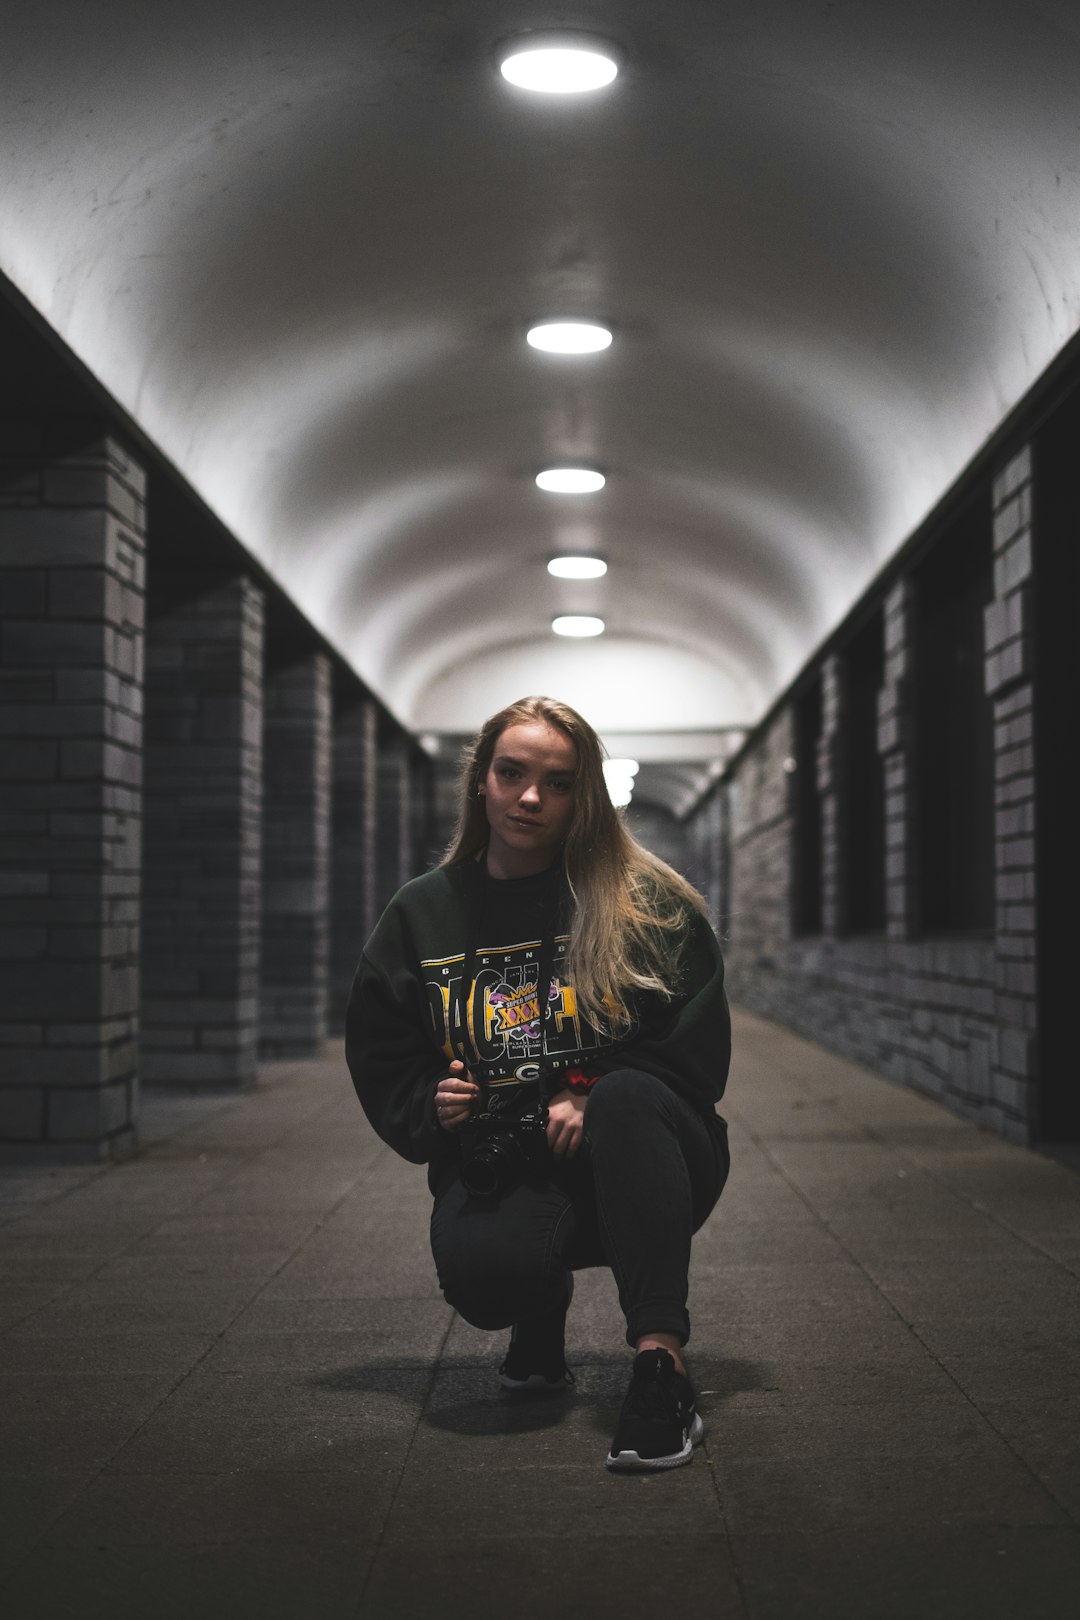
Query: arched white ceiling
[300,244]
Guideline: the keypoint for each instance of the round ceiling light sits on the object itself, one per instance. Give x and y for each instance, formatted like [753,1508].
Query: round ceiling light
[577,624]
[570,480]
[569,337]
[577,567]
[558,64]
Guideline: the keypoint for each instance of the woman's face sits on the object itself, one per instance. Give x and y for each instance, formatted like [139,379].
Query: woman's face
[529,798]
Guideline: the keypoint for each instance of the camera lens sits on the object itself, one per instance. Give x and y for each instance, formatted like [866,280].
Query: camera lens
[480,1177]
[490,1166]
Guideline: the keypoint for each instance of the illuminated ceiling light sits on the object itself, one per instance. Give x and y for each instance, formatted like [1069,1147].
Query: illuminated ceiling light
[558,64]
[569,337]
[577,624]
[570,480]
[619,775]
[577,567]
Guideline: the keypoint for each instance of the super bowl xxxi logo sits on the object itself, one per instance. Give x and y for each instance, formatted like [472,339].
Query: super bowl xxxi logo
[517,1010]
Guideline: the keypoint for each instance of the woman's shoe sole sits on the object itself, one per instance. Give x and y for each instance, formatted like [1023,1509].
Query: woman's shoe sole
[537,1382]
[628,1462]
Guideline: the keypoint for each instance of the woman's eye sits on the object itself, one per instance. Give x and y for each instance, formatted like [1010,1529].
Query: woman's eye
[561,786]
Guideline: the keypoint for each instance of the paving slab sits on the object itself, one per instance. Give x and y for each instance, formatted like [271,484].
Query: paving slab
[230,1386]
[922,1491]
[222,1509]
[574,1577]
[352,1418]
[22,1298]
[69,1397]
[271,1580]
[140,1305]
[172,1352]
[29,1505]
[953,1573]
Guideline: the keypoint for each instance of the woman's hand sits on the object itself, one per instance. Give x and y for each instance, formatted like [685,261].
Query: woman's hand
[455,1097]
[566,1114]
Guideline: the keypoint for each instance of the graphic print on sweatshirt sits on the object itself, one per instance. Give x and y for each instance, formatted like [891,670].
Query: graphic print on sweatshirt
[503,1018]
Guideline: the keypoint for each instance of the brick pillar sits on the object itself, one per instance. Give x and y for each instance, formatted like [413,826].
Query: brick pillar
[1007,625]
[352,886]
[421,811]
[829,766]
[894,745]
[72,541]
[406,830]
[204,699]
[392,820]
[296,859]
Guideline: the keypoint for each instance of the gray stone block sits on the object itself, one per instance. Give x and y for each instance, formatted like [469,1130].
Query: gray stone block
[1011,519]
[1016,1052]
[22,944]
[45,538]
[1014,703]
[199,1068]
[25,593]
[1011,477]
[28,761]
[89,1115]
[22,1114]
[1013,565]
[53,643]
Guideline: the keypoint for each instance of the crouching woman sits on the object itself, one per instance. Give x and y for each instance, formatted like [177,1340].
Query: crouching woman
[541,1020]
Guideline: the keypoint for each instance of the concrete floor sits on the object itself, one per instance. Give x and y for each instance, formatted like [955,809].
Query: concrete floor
[231,1387]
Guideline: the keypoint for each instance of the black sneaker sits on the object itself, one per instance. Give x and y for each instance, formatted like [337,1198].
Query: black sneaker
[536,1356]
[658,1425]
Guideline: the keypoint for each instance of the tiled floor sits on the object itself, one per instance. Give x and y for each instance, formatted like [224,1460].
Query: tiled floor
[231,1388]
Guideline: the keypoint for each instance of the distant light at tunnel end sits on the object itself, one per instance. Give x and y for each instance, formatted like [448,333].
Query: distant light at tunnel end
[577,624]
[558,64]
[570,480]
[569,337]
[577,567]
[619,775]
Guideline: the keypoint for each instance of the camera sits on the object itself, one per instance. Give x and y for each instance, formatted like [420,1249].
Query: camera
[500,1144]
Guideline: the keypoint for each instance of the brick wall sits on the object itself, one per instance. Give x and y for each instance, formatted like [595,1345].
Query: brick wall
[659,831]
[72,537]
[393,857]
[895,736]
[352,889]
[1009,684]
[829,764]
[203,857]
[953,1017]
[295,964]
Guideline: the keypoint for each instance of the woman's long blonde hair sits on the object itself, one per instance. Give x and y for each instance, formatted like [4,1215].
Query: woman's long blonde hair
[629,907]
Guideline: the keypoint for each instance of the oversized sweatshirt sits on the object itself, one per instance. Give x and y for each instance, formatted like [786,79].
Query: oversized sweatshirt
[406,1023]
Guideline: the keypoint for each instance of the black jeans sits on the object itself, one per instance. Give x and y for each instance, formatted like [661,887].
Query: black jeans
[649,1174]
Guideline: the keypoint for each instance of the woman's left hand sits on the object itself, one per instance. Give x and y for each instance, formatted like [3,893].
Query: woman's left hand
[566,1113]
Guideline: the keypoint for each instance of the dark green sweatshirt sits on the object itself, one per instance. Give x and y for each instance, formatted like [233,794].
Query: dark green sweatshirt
[405,1023]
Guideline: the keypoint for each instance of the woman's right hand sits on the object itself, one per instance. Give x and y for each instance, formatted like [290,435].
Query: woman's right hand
[455,1097]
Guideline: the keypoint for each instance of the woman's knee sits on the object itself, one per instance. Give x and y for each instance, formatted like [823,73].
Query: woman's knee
[488,1315]
[489,1291]
[623,1091]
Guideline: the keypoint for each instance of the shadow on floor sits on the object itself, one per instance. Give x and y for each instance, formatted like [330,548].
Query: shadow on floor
[462,1396]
